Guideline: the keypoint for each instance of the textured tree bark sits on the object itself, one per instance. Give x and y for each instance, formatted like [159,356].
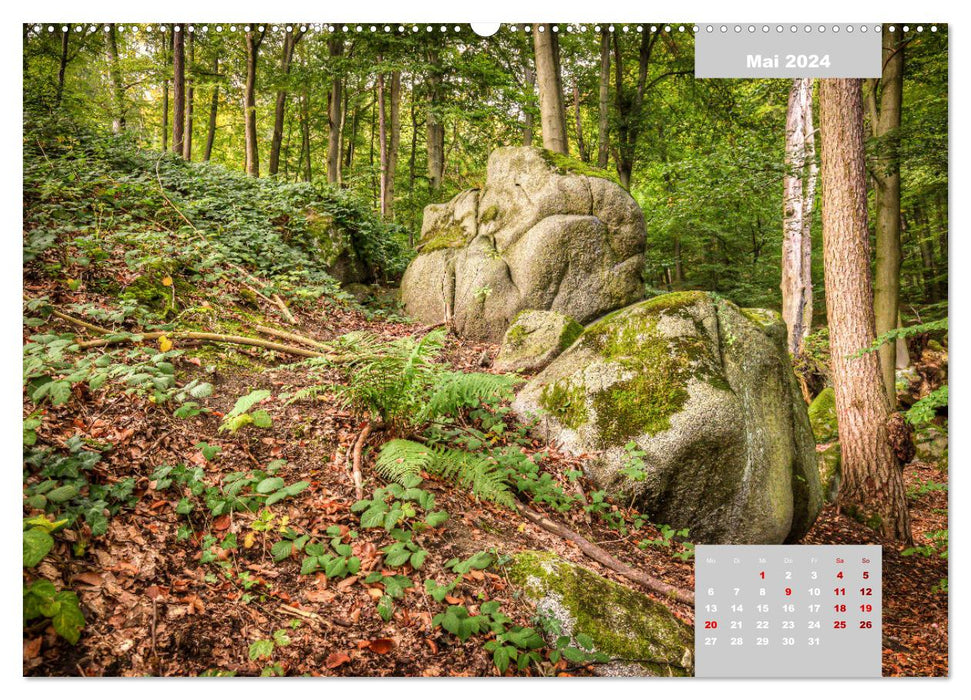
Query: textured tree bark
[382,146]
[62,67]
[280,112]
[434,128]
[581,143]
[178,88]
[797,209]
[872,487]
[335,103]
[167,40]
[885,125]
[552,115]
[394,141]
[189,95]
[528,126]
[213,112]
[253,41]
[117,89]
[603,122]
[305,162]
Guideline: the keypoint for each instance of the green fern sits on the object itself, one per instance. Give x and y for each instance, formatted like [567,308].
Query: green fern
[401,460]
[457,390]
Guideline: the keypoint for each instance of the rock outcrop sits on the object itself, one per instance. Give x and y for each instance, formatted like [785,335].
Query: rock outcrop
[545,232]
[706,390]
[534,340]
[640,635]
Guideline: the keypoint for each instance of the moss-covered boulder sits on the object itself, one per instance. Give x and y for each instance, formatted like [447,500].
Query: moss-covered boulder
[544,232]
[334,247]
[640,635]
[822,416]
[534,340]
[829,457]
[706,390]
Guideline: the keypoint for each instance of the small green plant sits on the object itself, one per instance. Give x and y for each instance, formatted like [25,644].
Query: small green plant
[263,649]
[396,504]
[633,467]
[938,546]
[922,488]
[62,608]
[241,416]
[394,588]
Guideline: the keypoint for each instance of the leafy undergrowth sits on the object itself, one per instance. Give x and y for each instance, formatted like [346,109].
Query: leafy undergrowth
[190,508]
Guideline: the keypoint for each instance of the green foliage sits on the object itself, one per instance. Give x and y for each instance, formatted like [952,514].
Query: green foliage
[937,547]
[334,558]
[240,414]
[907,332]
[399,504]
[62,608]
[925,410]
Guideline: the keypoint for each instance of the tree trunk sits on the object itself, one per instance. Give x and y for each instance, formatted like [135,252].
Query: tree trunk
[528,125]
[178,88]
[62,67]
[279,115]
[581,143]
[189,94]
[305,138]
[213,111]
[603,123]
[382,146]
[797,211]
[166,59]
[872,487]
[552,114]
[394,141]
[335,103]
[886,176]
[253,41]
[630,104]
[117,89]
[435,129]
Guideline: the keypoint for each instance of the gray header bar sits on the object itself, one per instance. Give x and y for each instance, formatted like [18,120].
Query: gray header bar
[787,50]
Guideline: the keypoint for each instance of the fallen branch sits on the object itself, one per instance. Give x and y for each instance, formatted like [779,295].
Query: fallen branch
[283,308]
[98,330]
[293,337]
[356,464]
[210,337]
[600,555]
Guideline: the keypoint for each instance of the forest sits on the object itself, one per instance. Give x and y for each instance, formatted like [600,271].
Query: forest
[368,350]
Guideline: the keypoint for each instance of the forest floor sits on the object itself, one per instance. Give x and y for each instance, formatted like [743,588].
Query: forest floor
[155,605]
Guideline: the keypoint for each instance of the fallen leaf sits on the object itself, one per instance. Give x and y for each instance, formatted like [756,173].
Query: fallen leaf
[381,646]
[89,578]
[336,659]
[164,344]
[221,523]
[166,281]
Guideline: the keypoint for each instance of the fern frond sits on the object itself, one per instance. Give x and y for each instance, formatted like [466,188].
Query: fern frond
[400,459]
[310,392]
[457,390]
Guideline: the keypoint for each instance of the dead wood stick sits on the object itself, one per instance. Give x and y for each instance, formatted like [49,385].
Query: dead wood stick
[82,324]
[211,337]
[287,335]
[356,464]
[284,309]
[601,555]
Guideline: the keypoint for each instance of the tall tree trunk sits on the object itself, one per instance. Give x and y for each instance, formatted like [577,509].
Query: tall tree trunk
[253,41]
[167,40]
[797,210]
[394,141]
[279,115]
[528,126]
[630,104]
[117,89]
[435,129]
[213,111]
[189,94]
[603,122]
[62,67]
[305,137]
[552,115]
[872,487]
[581,144]
[335,104]
[382,146]
[178,88]
[925,243]
[885,124]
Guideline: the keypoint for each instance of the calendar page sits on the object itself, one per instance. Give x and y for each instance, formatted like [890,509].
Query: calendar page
[360,342]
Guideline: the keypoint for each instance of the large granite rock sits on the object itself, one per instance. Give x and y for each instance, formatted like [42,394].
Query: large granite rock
[706,390]
[545,232]
[638,634]
[534,340]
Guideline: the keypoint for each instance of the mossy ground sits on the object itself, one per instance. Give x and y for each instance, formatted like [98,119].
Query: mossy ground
[565,164]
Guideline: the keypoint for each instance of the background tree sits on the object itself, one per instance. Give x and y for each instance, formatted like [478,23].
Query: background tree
[885,168]
[290,39]
[178,88]
[254,38]
[548,80]
[799,187]
[117,87]
[872,487]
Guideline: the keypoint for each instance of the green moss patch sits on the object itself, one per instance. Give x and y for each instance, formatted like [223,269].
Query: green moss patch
[822,416]
[624,624]
[566,165]
[451,237]
[565,402]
